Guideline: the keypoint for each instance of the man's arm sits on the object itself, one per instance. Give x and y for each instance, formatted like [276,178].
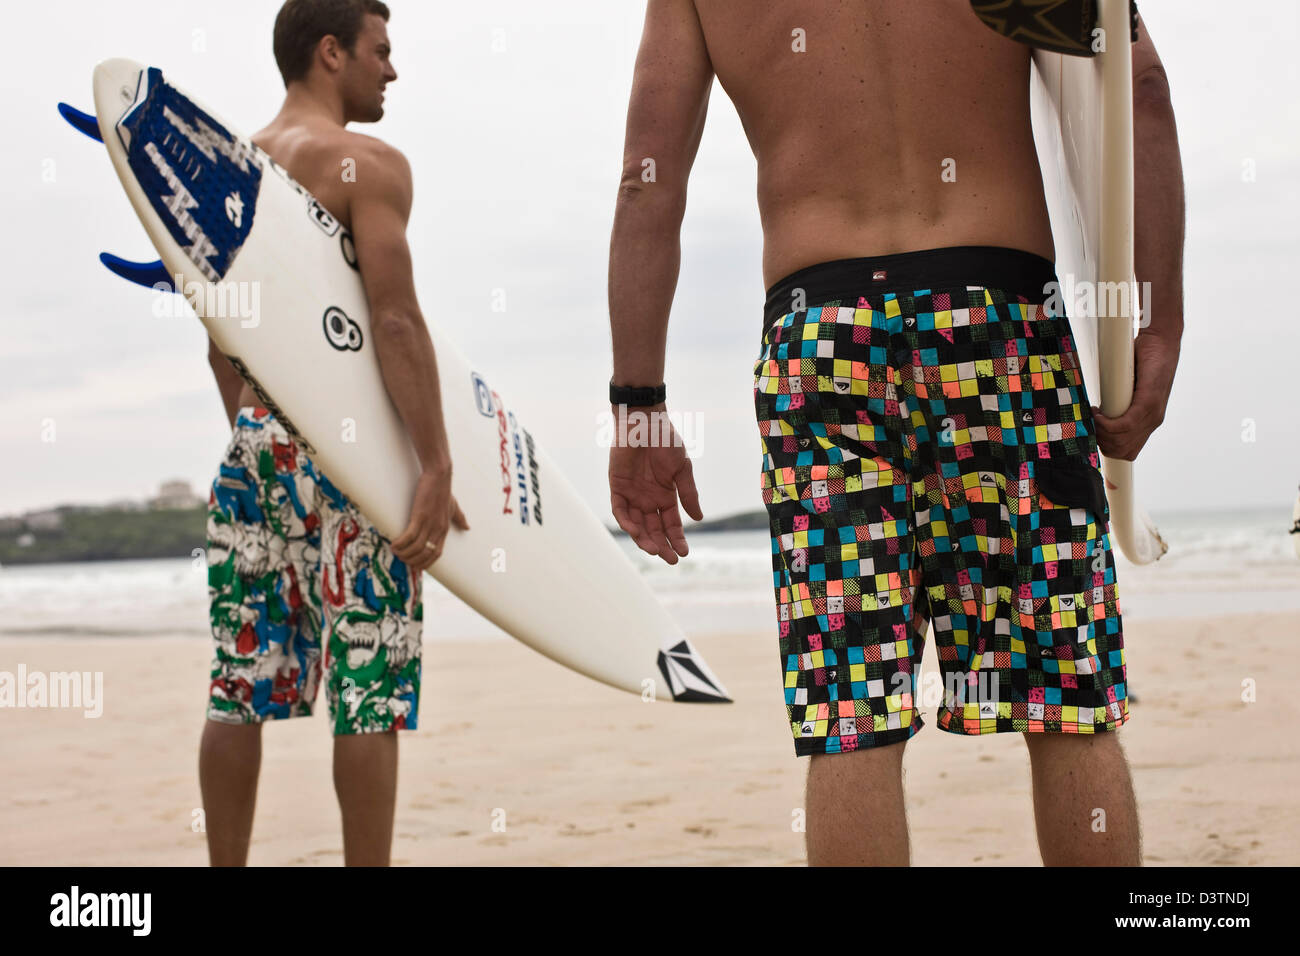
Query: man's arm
[665,120]
[380,207]
[666,113]
[229,382]
[1159,225]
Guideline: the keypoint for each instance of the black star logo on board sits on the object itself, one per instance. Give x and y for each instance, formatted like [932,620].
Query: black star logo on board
[1030,21]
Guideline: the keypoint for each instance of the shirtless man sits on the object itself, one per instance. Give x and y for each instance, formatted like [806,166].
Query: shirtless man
[927,440]
[292,563]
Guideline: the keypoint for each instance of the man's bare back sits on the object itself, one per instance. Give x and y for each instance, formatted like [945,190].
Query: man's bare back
[313,153]
[853,136]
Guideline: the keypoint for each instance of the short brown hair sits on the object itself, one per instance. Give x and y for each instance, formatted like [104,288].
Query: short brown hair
[300,24]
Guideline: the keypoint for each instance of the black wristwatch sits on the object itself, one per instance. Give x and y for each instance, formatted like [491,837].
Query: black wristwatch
[636,394]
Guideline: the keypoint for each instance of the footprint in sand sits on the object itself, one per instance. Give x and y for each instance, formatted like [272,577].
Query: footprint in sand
[572,830]
[1215,852]
[633,806]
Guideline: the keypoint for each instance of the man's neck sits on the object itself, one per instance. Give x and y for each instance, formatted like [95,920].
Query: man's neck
[303,101]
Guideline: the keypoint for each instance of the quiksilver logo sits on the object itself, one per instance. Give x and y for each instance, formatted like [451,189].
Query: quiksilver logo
[482,395]
[102,909]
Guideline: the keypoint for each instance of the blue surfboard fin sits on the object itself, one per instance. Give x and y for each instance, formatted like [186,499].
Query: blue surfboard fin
[148,274]
[85,122]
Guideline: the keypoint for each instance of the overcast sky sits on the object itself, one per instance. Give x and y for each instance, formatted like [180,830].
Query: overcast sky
[516,155]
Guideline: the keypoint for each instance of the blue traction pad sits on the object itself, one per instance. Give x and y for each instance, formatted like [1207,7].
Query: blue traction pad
[202,181]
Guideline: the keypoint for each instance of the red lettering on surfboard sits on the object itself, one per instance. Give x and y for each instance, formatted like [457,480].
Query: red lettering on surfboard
[507,484]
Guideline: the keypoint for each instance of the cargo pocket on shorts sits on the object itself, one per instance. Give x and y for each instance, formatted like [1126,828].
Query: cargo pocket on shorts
[1073,483]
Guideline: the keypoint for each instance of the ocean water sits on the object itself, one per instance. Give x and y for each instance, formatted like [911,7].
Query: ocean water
[1219,563]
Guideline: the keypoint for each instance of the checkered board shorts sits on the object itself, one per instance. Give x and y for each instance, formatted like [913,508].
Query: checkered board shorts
[929,457]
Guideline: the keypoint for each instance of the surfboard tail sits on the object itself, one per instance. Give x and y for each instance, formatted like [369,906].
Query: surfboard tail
[1131,528]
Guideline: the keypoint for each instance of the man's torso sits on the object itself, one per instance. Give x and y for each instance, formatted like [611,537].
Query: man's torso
[853,137]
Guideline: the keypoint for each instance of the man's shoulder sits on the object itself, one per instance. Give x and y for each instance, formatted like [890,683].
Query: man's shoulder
[377,171]
[376,151]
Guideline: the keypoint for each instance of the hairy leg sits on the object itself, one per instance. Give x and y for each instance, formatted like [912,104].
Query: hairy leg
[1084,805]
[855,808]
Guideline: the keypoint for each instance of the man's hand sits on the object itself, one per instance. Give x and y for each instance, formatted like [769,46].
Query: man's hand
[644,485]
[433,511]
[1155,358]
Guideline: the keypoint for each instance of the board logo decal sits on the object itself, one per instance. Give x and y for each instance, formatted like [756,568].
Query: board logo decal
[482,394]
[349,250]
[340,331]
[235,209]
[201,181]
[687,681]
[522,477]
[322,216]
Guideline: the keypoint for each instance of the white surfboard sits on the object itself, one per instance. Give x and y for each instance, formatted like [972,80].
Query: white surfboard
[1083,127]
[537,562]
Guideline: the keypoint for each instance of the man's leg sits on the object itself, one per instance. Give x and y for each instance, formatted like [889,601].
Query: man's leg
[365,779]
[265,621]
[855,808]
[851,614]
[230,757]
[373,618]
[1084,805]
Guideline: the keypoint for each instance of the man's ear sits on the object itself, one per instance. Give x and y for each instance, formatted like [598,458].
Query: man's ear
[330,52]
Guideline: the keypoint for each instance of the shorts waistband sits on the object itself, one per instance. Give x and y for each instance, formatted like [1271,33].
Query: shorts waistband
[992,267]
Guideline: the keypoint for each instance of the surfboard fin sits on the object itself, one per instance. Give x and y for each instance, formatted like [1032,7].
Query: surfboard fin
[83,122]
[151,275]
[1061,26]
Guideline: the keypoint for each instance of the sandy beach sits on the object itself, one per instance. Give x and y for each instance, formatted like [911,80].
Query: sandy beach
[582,774]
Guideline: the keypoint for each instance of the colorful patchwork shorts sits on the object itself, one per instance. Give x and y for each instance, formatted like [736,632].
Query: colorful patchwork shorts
[291,560]
[929,457]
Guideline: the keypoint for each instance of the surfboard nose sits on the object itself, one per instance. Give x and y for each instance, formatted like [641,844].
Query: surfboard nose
[689,678]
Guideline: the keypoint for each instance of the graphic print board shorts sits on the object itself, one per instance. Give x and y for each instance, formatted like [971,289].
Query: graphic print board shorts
[929,457]
[294,570]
